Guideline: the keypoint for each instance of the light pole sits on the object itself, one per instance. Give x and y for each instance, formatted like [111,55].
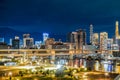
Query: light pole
[106,74]
[10,75]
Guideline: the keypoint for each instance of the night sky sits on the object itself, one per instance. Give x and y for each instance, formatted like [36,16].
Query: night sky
[59,16]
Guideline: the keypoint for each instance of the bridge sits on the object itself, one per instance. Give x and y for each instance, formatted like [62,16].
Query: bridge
[48,52]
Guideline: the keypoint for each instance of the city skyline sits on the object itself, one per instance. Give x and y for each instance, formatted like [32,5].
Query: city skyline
[38,35]
[54,16]
[59,39]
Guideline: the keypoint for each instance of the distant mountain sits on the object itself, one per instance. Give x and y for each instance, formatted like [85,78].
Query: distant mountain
[8,33]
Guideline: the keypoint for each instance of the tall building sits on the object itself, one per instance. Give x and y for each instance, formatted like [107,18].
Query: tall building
[45,37]
[91,34]
[109,44]
[26,35]
[81,37]
[10,41]
[95,39]
[38,44]
[117,36]
[27,41]
[78,38]
[49,42]
[71,37]
[16,43]
[117,30]
[3,45]
[1,39]
[103,40]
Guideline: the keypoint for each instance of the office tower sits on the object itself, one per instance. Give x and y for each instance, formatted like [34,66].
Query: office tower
[91,33]
[109,44]
[49,41]
[81,35]
[103,40]
[3,45]
[16,43]
[21,43]
[1,39]
[71,37]
[117,30]
[38,44]
[27,41]
[45,37]
[26,35]
[95,39]
[78,38]
[117,36]
[10,41]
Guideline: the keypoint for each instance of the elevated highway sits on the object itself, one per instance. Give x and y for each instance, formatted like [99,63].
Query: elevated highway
[47,52]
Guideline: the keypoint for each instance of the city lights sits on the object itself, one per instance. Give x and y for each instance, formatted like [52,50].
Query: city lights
[56,58]
[59,40]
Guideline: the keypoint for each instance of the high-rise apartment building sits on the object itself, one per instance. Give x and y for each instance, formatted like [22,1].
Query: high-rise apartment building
[16,43]
[1,39]
[78,38]
[81,35]
[49,41]
[27,41]
[117,30]
[95,40]
[103,40]
[45,37]
[10,41]
[91,34]
[109,44]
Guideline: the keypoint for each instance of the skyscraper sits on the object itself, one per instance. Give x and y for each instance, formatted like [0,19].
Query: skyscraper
[109,44]
[1,39]
[27,41]
[95,39]
[45,37]
[16,43]
[91,34]
[117,30]
[117,36]
[10,41]
[71,37]
[81,35]
[103,40]
[78,38]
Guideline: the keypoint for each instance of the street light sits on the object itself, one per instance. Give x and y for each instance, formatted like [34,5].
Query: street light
[106,74]
[10,74]
[35,79]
